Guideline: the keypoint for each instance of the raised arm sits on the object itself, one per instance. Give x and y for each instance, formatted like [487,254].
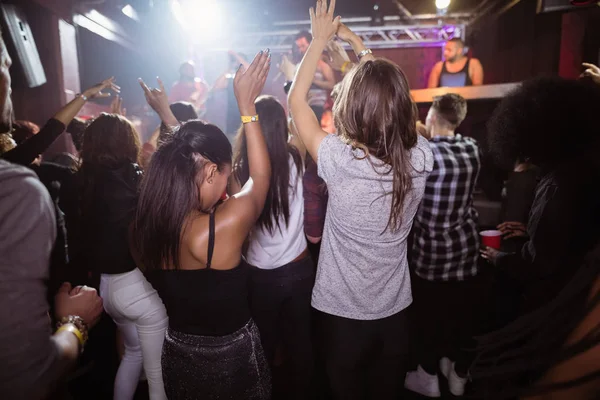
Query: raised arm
[324,26]
[247,205]
[26,152]
[355,41]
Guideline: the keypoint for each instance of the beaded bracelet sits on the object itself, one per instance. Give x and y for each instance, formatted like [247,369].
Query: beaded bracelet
[79,325]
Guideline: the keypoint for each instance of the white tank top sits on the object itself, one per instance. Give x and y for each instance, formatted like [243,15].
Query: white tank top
[273,250]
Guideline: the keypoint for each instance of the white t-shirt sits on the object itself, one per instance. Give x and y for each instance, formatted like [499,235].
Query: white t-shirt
[363,271]
[273,250]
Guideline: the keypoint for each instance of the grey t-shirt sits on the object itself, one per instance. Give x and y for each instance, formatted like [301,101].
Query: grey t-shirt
[363,272]
[27,230]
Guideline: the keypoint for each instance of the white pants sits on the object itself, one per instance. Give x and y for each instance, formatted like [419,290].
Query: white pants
[141,317]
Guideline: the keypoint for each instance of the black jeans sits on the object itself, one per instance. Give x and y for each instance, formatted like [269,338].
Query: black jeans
[364,359]
[447,316]
[280,304]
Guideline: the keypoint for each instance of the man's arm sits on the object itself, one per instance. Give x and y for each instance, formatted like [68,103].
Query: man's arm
[476,72]
[434,76]
[32,360]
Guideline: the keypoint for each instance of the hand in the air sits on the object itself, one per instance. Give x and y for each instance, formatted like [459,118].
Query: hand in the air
[323,25]
[156,97]
[344,33]
[337,55]
[116,106]
[249,83]
[287,68]
[96,91]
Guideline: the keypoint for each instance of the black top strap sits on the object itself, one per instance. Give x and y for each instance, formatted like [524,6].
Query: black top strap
[211,239]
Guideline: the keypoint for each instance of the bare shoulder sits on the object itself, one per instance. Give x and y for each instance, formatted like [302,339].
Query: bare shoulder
[475,62]
[438,66]
[227,235]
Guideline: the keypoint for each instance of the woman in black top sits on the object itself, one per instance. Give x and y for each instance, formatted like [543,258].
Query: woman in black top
[109,177]
[190,244]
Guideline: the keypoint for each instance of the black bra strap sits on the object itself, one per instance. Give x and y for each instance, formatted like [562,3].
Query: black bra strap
[211,239]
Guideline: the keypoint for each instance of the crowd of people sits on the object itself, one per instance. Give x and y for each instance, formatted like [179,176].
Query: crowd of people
[201,255]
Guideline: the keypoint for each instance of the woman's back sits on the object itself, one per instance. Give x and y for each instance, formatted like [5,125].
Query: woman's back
[109,198]
[363,271]
[269,250]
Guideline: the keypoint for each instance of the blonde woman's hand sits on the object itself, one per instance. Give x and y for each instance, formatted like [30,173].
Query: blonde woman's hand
[323,25]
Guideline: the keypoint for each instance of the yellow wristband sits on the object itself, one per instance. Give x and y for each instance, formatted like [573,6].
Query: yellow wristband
[344,66]
[73,329]
[249,118]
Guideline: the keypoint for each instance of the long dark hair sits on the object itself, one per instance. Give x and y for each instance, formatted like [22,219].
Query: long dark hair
[374,112]
[274,126]
[170,191]
[546,120]
[109,142]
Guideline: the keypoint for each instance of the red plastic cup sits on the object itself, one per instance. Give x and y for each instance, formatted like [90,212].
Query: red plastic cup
[491,239]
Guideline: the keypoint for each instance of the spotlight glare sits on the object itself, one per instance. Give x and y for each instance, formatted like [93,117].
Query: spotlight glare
[442,4]
[204,20]
[129,11]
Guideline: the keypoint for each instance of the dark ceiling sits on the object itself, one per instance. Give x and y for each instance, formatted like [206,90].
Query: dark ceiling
[295,9]
[290,10]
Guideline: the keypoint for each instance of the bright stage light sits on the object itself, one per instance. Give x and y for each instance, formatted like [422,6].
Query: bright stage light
[442,4]
[202,19]
[130,12]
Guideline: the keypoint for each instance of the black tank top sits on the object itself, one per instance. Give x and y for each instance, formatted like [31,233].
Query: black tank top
[455,79]
[205,302]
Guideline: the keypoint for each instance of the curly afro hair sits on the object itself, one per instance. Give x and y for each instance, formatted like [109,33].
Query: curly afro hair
[546,121]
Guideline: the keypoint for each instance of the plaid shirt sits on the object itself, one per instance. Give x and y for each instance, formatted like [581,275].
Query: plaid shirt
[446,240]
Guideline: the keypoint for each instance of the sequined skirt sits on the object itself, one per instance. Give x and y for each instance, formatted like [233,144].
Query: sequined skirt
[216,367]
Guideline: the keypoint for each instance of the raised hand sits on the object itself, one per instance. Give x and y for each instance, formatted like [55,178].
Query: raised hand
[159,101]
[337,55]
[592,71]
[323,24]
[116,106]
[249,82]
[96,91]
[156,97]
[344,33]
